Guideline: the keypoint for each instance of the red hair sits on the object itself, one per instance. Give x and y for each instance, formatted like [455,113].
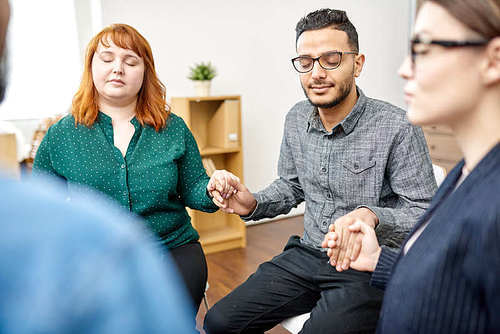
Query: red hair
[151,107]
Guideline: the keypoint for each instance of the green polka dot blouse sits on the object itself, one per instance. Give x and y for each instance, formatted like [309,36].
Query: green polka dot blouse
[159,176]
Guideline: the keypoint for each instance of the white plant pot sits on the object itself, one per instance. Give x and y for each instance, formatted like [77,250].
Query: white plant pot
[202,87]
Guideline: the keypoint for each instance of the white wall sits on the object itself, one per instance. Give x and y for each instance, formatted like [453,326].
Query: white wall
[251,43]
[43,59]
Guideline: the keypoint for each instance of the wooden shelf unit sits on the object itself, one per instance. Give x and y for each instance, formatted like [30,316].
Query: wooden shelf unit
[215,122]
[8,155]
[443,149]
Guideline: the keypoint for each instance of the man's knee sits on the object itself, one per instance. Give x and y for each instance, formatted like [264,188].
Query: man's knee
[352,309]
[334,323]
[216,322]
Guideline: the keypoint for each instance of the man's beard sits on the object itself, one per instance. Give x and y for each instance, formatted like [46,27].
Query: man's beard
[344,90]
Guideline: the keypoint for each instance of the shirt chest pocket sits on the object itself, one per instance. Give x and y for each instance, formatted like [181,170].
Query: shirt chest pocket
[358,177]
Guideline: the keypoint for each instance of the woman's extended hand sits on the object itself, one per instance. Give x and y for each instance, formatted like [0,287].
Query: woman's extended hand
[366,250]
[238,199]
[219,185]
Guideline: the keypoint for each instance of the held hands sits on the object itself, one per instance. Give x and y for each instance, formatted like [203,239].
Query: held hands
[229,194]
[219,186]
[352,241]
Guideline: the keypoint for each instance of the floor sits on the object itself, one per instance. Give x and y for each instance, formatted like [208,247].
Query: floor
[226,270]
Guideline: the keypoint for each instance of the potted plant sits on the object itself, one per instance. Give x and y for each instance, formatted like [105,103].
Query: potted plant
[202,74]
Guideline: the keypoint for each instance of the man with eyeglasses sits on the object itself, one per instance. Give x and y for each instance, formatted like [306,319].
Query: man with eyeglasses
[350,158]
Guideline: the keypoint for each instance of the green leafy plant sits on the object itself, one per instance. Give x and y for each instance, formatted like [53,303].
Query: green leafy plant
[202,71]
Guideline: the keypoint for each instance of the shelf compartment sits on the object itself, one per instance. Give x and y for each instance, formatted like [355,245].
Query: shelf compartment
[218,231]
[215,123]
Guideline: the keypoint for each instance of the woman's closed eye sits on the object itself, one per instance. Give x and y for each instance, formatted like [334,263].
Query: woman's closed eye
[421,49]
[107,59]
[131,62]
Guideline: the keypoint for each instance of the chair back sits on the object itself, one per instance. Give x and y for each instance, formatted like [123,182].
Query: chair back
[439,173]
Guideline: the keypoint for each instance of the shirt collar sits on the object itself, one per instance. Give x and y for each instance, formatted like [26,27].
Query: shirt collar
[105,120]
[102,118]
[348,123]
[313,121]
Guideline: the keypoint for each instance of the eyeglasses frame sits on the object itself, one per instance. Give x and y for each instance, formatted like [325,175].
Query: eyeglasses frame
[443,43]
[341,53]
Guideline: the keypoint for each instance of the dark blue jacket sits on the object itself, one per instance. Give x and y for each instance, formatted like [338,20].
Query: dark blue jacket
[449,281]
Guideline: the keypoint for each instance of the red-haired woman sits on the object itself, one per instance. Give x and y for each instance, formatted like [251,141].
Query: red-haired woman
[122,140]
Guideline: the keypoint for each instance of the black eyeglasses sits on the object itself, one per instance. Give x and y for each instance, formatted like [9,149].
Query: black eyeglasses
[420,45]
[328,61]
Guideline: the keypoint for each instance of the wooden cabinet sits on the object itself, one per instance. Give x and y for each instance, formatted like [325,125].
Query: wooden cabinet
[443,149]
[215,122]
[8,155]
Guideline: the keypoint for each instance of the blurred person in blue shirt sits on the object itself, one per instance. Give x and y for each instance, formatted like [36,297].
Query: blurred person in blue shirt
[79,266]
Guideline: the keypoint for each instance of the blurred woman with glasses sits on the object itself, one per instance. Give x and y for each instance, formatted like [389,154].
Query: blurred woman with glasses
[446,279]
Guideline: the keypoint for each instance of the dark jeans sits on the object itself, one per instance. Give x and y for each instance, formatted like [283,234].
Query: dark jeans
[297,281]
[192,266]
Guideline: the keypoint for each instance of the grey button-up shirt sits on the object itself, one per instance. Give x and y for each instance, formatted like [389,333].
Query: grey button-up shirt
[373,158]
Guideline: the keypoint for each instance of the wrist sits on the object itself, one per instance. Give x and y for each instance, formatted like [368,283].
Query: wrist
[252,207]
[369,217]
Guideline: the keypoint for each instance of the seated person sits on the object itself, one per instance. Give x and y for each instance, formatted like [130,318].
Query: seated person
[446,278]
[349,157]
[122,140]
[80,266]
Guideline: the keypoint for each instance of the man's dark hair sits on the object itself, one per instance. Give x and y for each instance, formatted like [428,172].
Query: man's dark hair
[322,18]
